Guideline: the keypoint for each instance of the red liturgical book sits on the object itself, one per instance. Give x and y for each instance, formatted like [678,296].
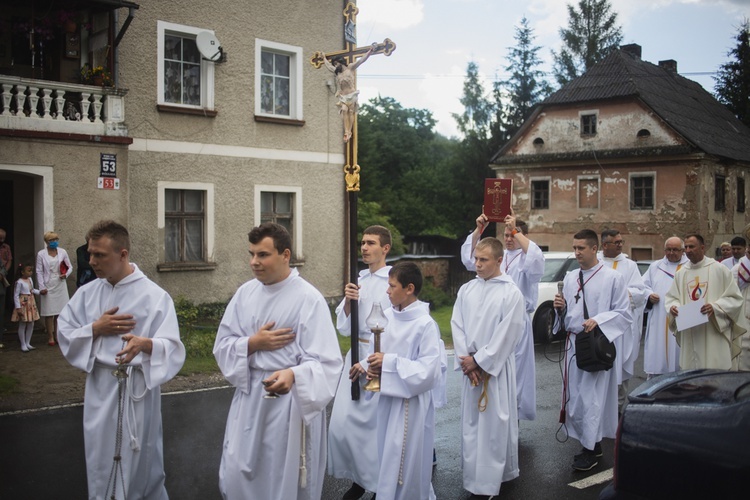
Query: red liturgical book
[63,268]
[497,198]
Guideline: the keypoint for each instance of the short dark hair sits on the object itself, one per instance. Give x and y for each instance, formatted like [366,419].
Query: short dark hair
[277,232]
[589,235]
[381,232]
[522,226]
[739,241]
[697,237]
[495,246]
[609,233]
[112,230]
[406,272]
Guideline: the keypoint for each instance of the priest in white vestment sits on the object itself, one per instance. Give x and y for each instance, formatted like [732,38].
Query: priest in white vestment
[488,323]
[409,370]
[523,261]
[661,354]
[741,274]
[590,398]
[124,320]
[716,343]
[352,448]
[629,345]
[276,339]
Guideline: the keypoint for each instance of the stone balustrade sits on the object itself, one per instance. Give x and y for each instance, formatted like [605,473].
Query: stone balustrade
[46,106]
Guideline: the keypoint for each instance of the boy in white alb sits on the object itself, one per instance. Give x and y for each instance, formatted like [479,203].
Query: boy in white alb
[352,447]
[409,369]
[487,324]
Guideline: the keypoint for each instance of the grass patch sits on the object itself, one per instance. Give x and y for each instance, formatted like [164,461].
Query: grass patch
[199,344]
[199,365]
[442,316]
[8,384]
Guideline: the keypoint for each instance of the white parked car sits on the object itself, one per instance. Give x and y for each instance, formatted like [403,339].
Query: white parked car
[556,266]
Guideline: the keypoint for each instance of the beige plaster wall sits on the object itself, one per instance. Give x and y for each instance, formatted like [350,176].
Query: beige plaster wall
[76,200]
[617,128]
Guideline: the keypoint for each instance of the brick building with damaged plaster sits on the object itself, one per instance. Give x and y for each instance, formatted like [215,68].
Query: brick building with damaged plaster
[630,146]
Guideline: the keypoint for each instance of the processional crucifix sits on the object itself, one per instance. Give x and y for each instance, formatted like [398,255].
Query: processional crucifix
[351,54]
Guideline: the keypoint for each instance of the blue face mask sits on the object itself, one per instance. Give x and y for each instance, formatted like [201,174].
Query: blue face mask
[53,244]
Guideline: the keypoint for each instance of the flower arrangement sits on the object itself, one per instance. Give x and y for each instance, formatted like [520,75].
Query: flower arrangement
[98,75]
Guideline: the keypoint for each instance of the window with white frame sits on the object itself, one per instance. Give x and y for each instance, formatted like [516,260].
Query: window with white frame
[642,191]
[184,78]
[278,80]
[282,205]
[186,215]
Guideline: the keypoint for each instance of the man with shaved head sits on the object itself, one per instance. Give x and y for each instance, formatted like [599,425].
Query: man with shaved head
[661,354]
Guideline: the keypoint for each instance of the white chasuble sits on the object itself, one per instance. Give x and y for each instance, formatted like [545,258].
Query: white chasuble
[715,344]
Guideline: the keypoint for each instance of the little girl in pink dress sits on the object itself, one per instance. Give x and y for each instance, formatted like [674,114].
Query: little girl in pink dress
[25,312]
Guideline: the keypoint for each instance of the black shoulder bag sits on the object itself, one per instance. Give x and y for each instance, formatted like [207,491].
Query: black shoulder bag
[594,352]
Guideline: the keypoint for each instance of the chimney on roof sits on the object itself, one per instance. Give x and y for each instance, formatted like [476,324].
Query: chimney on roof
[669,65]
[633,49]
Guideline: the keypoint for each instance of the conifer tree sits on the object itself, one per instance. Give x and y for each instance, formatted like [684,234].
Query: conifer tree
[526,85]
[733,81]
[591,34]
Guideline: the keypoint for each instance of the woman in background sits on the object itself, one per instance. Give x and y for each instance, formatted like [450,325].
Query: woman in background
[52,268]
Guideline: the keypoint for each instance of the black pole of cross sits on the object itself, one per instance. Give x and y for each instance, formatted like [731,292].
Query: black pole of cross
[351,170]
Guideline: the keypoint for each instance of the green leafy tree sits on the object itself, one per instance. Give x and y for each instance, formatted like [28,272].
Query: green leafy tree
[733,80]
[591,34]
[370,213]
[526,86]
[405,167]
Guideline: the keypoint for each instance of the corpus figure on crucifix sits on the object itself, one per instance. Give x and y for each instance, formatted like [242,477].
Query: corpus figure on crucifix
[347,93]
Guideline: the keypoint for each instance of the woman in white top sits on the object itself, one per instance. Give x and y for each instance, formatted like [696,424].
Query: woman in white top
[52,267]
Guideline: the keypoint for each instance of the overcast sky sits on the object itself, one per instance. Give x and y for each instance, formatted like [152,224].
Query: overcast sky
[436,39]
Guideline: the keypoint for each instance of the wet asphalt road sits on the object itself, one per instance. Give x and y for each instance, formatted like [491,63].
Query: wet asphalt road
[41,452]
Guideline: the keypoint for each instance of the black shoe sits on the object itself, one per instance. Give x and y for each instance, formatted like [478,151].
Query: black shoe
[598,449]
[354,492]
[585,461]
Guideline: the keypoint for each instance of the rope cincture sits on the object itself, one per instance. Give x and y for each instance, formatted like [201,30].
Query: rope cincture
[483,396]
[122,375]
[303,459]
[403,445]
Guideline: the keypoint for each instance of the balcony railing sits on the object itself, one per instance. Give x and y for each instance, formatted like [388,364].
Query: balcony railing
[46,106]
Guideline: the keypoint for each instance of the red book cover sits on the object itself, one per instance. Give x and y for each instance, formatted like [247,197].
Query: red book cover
[63,268]
[497,198]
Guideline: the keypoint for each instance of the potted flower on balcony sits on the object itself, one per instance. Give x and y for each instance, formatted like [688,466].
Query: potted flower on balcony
[99,76]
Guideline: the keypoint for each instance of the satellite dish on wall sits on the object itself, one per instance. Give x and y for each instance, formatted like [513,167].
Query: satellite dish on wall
[209,46]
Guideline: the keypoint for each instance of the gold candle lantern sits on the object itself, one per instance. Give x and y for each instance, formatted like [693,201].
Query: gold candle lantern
[376,323]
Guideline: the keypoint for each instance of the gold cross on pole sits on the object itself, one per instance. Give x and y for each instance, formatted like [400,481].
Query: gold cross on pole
[352,55]
[346,93]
